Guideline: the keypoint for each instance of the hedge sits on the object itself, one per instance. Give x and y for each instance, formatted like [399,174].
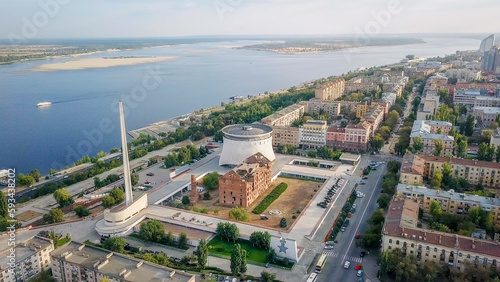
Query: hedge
[270,198]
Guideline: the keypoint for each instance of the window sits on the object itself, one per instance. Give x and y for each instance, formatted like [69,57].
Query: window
[397,242]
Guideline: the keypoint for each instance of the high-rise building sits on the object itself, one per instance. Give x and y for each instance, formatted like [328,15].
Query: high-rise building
[491,59]
[487,44]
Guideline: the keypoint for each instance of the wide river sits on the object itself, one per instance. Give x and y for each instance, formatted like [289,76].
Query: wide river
[84,120]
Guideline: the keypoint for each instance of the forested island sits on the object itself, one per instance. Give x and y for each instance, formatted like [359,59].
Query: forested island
[310,45]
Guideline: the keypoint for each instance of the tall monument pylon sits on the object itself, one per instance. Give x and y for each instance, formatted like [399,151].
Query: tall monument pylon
[126,165]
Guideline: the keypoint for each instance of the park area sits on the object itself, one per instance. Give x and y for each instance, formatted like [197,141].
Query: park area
[220,248]
[290,203]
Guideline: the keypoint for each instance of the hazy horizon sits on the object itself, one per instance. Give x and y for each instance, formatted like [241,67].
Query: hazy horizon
[94,19]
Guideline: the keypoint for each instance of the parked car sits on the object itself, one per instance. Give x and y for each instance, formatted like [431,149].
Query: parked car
[347,264]
[359,273]
[342,229]
[150,174]
[357,236]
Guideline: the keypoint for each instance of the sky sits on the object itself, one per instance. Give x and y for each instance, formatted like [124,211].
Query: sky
[165,18]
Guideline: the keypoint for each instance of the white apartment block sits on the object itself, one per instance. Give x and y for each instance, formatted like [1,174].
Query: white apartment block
[31,257]
[286,116]
[313,134]
[429,131]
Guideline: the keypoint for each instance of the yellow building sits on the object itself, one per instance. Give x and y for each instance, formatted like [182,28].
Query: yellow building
[286,116]
[284,135]
[450,201]
[361,109]
[331,90]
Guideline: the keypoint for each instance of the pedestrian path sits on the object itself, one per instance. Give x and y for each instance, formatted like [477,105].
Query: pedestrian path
[335,254]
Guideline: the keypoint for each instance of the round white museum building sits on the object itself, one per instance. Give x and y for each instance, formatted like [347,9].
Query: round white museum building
[244,140]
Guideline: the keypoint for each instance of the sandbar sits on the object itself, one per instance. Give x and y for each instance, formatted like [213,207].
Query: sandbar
[106,62]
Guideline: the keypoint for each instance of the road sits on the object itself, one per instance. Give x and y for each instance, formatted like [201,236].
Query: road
[345,249]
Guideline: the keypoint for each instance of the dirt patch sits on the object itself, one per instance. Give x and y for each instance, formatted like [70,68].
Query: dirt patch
[28,215]
[296,197]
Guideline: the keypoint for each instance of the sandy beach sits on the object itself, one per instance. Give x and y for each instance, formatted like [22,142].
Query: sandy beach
[100,63]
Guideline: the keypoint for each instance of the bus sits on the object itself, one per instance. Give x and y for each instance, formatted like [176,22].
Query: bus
[321,263]
[312,278]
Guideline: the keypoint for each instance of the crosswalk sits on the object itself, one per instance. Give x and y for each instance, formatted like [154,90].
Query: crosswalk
[334,254]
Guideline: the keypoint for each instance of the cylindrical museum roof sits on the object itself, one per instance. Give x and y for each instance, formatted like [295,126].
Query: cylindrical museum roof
[247,131]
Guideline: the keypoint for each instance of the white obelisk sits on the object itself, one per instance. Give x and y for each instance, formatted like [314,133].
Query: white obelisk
[126,165]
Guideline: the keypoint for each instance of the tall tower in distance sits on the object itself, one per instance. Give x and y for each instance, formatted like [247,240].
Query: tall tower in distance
[126,165]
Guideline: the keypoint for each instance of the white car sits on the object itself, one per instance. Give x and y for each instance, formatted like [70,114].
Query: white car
[359,273]
[347,264]
[342,229]
[354,205]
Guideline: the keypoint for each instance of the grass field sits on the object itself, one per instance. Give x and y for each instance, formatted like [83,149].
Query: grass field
[220,247]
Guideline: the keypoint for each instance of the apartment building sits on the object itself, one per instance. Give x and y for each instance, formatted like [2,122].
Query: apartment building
[412,170]
[487,101]
[486,115]
[79,262]
[464,75]
[361,109]
[331,90]
[286,116]
[331,108]
[31,257]
[285,135]
[495,137]
[450,201]
[400,231]
[475,172]
[352,137]
[374,116]
[362,84]
[313,134]
[242,185]
[429,131]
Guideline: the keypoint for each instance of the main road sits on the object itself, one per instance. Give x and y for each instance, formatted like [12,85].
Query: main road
[345,249]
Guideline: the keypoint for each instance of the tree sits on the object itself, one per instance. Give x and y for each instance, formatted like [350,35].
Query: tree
[437,179]
[238,260]
[385,132]
[134,178]
[377,142]
[108,201]
[497,156]
[202,251]
[63,198]
[35,174]
[54,216]
[261,240]
[240,214]
[4,207]
[461,148]
[115,244]
[152,231]
[311,154]
[227,231]
[81,211]
[283,222]
[25,180]
[393,166]
[185,200]
[169,239]
[490,153]
[447,175]
[438,143]
[435,210]
[377,218]
[384,200]
[183,239]
[211,180]
[469,125]
[267,276]
[418,144]
[118,195]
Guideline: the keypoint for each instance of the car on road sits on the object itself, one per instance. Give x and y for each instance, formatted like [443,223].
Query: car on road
[353,206]
[349,215]
[365,177]
[362,254]
[347,264]
[342,229]
[361,183]
[357,236]
[150,174]
[147,182]
[346,223]
[353,210]
[358,267]
[359,273]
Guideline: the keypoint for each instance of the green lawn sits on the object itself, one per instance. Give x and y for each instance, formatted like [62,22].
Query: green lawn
[219,247]
[63,241]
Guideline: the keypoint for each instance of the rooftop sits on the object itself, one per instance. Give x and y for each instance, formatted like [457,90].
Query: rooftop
[117,265]
[250,130]
[457,161]
[25,249]
[422,128]
[248,168]
[488,110]
[349,157]
[394,226]
[284,111]
[483,201]
[412,164]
